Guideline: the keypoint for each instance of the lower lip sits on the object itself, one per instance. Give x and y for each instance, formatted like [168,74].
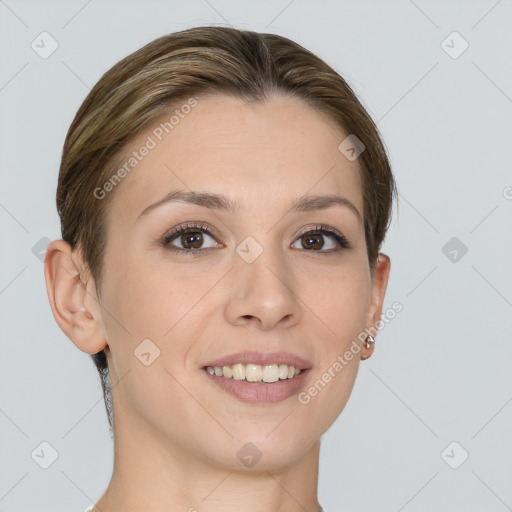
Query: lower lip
[260,392]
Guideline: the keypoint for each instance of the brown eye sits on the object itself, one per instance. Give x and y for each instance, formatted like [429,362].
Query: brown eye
[312,241]
[315,240]
[192,240]
[189,239]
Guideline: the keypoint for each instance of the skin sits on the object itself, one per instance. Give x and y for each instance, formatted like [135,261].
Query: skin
[176,433]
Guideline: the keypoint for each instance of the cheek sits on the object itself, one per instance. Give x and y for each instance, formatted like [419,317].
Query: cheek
[169,310]
[149,300]
[151,326]
[340,303]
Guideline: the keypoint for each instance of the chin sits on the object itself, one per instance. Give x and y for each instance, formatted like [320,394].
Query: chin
[257,450]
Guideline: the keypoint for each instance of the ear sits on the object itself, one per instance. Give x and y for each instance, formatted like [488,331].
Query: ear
[379,285]
[74,303]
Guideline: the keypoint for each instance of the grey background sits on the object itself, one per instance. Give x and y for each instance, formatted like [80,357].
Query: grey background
[441,369]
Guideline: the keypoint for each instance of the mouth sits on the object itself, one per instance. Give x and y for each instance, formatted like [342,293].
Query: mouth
[259,377]
[256,373]
[255,391]
[254,358]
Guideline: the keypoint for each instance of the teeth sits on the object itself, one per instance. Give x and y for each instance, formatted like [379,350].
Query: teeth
[238,372]
[270,373]
[255,372]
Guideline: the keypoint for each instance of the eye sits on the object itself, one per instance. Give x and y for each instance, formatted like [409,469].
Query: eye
[191,237]
[313,240]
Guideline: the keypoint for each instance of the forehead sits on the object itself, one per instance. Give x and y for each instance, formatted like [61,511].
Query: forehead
[260,154]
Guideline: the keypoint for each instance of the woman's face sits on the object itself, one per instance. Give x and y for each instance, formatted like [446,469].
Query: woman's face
[253,280]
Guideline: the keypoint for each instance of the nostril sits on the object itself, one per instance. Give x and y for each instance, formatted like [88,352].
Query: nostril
[248,318]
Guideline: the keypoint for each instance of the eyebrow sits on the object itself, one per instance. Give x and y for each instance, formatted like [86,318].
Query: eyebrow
[221,202]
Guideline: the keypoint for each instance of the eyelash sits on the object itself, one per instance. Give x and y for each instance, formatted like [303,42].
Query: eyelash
[192,228]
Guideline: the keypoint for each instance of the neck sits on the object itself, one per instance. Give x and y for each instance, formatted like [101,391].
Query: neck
[152,473]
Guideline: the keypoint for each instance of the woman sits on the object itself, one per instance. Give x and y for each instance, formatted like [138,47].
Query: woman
[223,197]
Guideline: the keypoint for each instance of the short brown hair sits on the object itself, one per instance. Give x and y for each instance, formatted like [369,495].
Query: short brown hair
[201,61]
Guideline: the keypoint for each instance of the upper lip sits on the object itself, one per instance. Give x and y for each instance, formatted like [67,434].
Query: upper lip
[262,358]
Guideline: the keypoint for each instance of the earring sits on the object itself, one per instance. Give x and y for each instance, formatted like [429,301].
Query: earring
[369,340]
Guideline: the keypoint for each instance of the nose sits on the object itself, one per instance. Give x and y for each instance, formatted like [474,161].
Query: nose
[262,292]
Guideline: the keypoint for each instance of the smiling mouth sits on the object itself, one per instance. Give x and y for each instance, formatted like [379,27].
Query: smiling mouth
[255,373]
